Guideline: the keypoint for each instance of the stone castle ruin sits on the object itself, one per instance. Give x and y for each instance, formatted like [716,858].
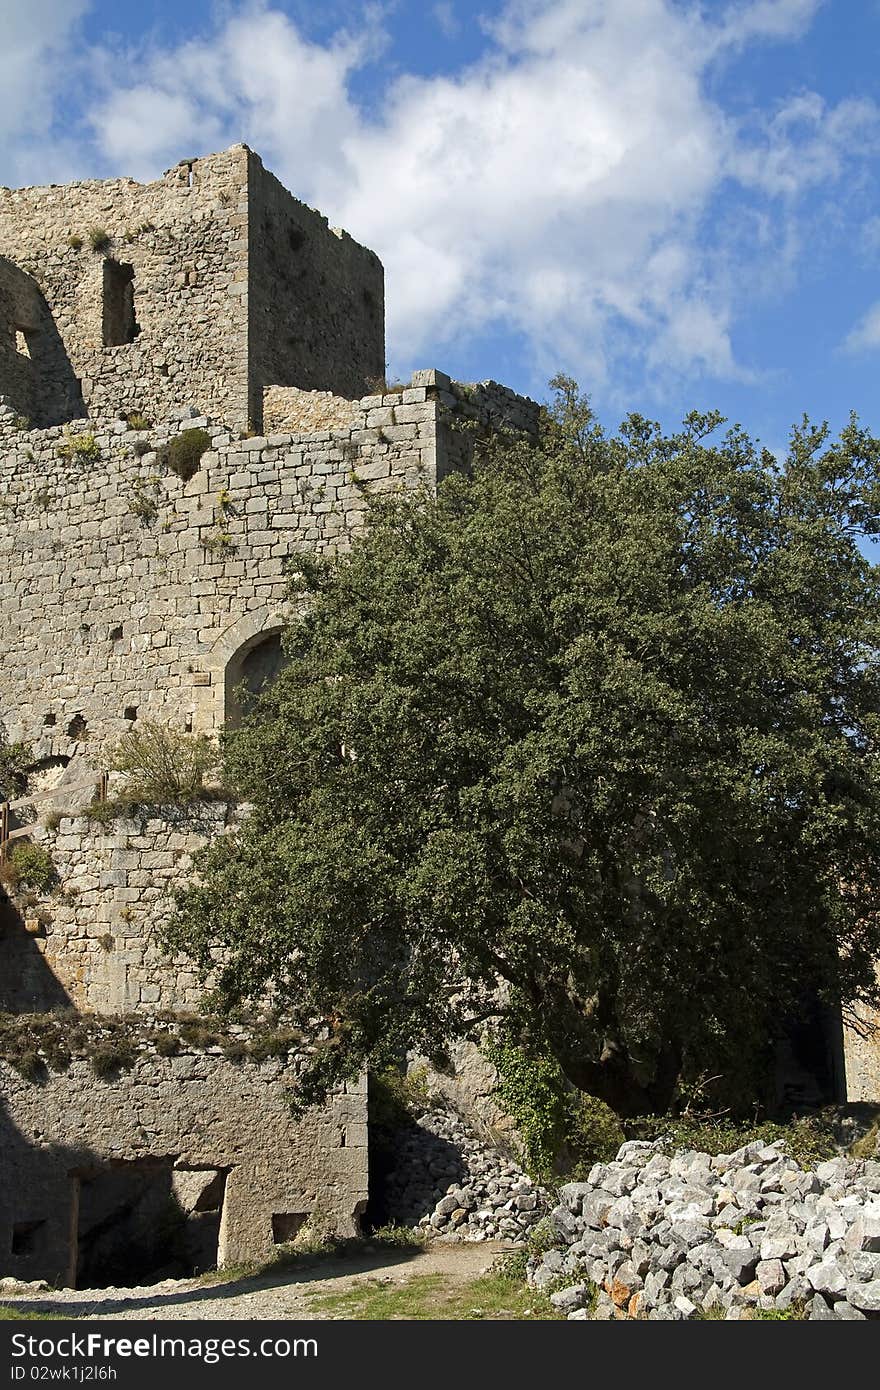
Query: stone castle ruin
[191,392]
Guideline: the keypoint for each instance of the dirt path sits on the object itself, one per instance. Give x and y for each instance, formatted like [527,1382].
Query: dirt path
[285,1295]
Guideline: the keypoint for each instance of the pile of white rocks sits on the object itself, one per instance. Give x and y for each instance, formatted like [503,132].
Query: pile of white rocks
[667,1237]
[451,1184]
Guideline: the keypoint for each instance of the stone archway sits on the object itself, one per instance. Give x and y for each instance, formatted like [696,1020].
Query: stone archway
[249,670]
[248,654]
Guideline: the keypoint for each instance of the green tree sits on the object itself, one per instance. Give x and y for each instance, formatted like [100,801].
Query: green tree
[583,747]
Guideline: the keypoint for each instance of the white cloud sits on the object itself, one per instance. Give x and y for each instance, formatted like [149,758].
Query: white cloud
[865,336]
[34,61]
[562,189]
[447,20]
[767,19]
[805,143]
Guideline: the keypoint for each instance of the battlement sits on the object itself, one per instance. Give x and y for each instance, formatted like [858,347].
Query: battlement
[209,283]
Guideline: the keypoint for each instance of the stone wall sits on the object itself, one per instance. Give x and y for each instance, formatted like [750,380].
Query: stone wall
[316,301]
[289,408]
[861,1049]
[185,1121]
[93,941]
[149,585]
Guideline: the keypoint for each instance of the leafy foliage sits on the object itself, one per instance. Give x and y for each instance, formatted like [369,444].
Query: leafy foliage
[183,454]
[810,1139]
[397,1098]
[598,722]
[15,759]
[163,765]
[563,1130]
[28,866]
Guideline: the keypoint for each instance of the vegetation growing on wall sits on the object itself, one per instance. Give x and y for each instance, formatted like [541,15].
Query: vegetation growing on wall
[183,454]
[15,759]
[79,448]
[563,1131]
[162,765]
[99,240]
[28,866]
[37,1044]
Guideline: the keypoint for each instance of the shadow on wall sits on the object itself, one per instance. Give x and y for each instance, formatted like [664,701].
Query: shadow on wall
[78,1220]
[27,984]
[35,370]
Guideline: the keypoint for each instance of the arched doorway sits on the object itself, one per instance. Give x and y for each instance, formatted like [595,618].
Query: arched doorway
[249,670]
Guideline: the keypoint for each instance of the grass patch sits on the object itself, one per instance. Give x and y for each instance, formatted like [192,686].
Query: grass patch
[869,1144]
[494,1297]
[14,1315]
[796,1313]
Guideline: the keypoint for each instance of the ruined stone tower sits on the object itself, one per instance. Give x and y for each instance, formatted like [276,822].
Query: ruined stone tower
[208,284]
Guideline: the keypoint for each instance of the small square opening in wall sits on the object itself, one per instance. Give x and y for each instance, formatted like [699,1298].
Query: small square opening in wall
[130,712]
[49,720]
[26,1237]
[116,634]
[286,1225]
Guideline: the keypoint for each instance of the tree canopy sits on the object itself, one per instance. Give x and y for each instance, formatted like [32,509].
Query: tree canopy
[582,747]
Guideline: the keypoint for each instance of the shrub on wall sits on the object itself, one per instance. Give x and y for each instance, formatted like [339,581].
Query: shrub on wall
[183,454]
[163,765]
[15,758]
[28,866]
[99,239]
[79,448]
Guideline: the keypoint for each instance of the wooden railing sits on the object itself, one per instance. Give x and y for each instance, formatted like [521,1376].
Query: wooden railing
[97,785]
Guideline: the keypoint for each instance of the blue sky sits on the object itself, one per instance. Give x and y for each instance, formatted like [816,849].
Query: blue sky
[676,203]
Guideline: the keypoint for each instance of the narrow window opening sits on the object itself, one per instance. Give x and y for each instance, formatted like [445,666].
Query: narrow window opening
[21,342]
[116,634]
[119,322]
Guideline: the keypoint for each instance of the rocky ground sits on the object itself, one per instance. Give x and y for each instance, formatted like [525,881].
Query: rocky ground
[449,1183]
[733,1235]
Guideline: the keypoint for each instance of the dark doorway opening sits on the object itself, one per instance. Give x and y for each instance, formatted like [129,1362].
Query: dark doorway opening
[810,1069]
[145,1220]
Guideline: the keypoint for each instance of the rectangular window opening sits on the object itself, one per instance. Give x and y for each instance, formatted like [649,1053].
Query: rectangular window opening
[26,1237]
[286,1225]
[119,322]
